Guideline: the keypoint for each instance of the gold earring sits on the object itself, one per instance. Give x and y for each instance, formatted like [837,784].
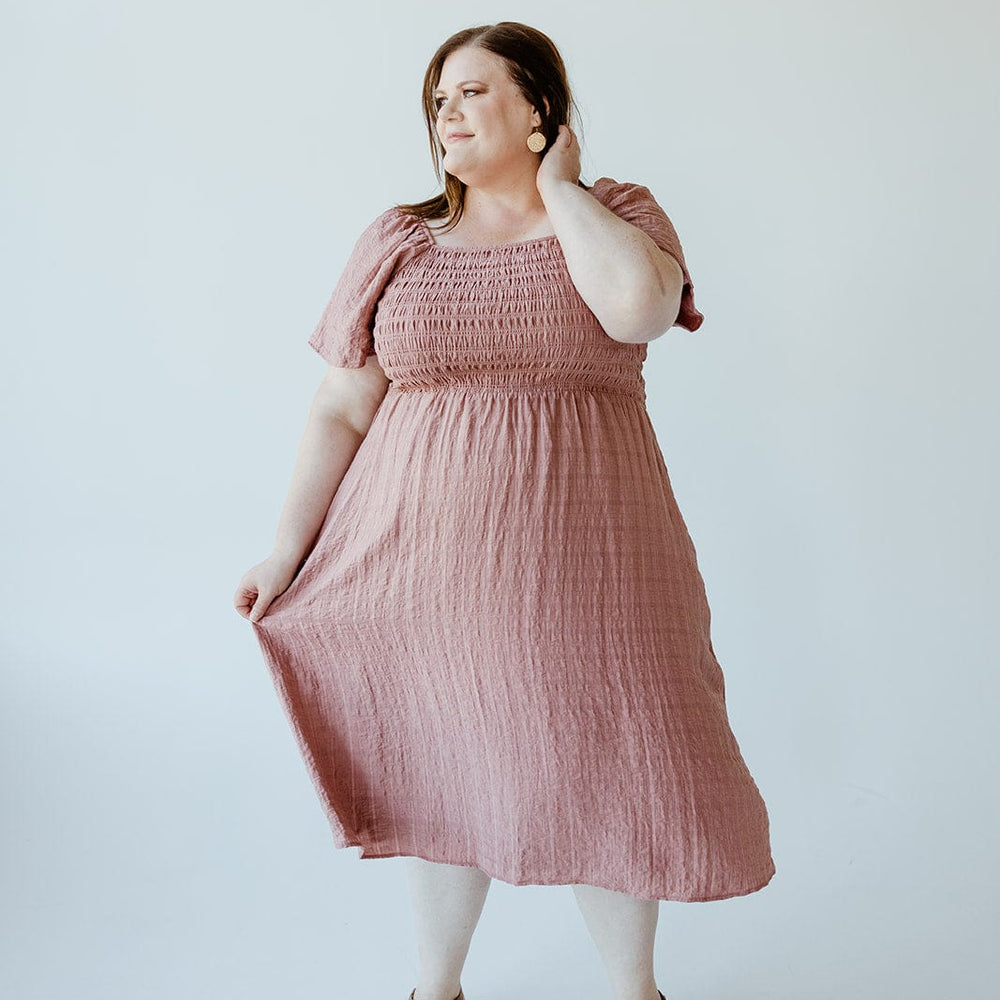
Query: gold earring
[536,141]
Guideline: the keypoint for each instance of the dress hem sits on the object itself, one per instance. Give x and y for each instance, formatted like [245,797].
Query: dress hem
[557,880]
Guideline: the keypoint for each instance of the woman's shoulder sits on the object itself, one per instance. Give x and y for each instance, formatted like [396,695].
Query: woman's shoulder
[393,226]
[388,236]
[610,192]
[633,202]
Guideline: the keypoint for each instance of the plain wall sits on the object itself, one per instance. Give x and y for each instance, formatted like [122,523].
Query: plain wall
[182,184]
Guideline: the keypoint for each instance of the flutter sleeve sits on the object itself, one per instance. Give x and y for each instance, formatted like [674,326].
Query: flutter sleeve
[636,205]
[344,335]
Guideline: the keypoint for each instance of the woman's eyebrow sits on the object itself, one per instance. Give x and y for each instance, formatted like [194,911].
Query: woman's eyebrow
[462,84]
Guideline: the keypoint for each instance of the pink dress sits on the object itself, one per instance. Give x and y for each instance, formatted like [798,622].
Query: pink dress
[497,652]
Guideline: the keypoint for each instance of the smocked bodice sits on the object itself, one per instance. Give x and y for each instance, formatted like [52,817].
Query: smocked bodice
[506,316]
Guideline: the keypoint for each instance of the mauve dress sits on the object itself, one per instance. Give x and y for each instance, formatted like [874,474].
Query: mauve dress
[497,652]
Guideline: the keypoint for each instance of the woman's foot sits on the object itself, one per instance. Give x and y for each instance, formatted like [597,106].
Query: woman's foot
[413,995]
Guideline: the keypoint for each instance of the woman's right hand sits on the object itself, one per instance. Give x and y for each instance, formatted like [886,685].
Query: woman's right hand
[262,584]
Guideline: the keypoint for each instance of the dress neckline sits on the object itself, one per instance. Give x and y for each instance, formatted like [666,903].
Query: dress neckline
[485,248]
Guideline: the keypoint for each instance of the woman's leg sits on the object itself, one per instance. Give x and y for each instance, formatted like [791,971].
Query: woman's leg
[623,928]
[447,902]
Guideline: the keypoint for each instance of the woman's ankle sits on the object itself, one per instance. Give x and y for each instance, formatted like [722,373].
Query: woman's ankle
[436,992]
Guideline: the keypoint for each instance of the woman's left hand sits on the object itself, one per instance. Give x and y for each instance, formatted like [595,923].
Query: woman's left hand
[561,161]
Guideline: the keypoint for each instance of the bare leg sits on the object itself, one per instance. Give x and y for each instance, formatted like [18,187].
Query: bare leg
[623,928]
[447,902]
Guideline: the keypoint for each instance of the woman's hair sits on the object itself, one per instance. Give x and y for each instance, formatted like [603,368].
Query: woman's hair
[536,68]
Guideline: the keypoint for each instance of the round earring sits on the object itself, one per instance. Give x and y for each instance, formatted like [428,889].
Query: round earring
[536,141]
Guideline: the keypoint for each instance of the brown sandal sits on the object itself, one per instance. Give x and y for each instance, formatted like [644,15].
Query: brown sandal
[413,994]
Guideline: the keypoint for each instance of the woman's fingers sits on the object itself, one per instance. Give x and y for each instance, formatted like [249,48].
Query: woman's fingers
[260,607]
[244,599]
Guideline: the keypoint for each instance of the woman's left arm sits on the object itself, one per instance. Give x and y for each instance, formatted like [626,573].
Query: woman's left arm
[630,284]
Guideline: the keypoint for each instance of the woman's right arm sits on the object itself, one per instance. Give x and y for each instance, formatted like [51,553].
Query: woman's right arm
[339,418]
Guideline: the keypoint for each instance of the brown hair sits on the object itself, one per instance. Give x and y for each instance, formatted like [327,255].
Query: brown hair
[535,66]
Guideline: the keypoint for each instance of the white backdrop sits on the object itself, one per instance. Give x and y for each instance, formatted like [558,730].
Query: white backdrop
[182,184]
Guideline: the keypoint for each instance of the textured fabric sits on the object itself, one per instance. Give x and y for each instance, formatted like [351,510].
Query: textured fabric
[498,651]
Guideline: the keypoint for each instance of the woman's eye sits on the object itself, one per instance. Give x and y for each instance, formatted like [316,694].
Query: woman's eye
[438,100]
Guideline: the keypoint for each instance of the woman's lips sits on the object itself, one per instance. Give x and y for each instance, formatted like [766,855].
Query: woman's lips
[458,135]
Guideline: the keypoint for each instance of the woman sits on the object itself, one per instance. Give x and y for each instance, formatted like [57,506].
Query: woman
[483,613]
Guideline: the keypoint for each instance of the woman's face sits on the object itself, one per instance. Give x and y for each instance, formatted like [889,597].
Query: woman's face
[477,98]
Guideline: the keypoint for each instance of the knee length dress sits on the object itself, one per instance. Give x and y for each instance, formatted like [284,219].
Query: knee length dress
[497,652]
